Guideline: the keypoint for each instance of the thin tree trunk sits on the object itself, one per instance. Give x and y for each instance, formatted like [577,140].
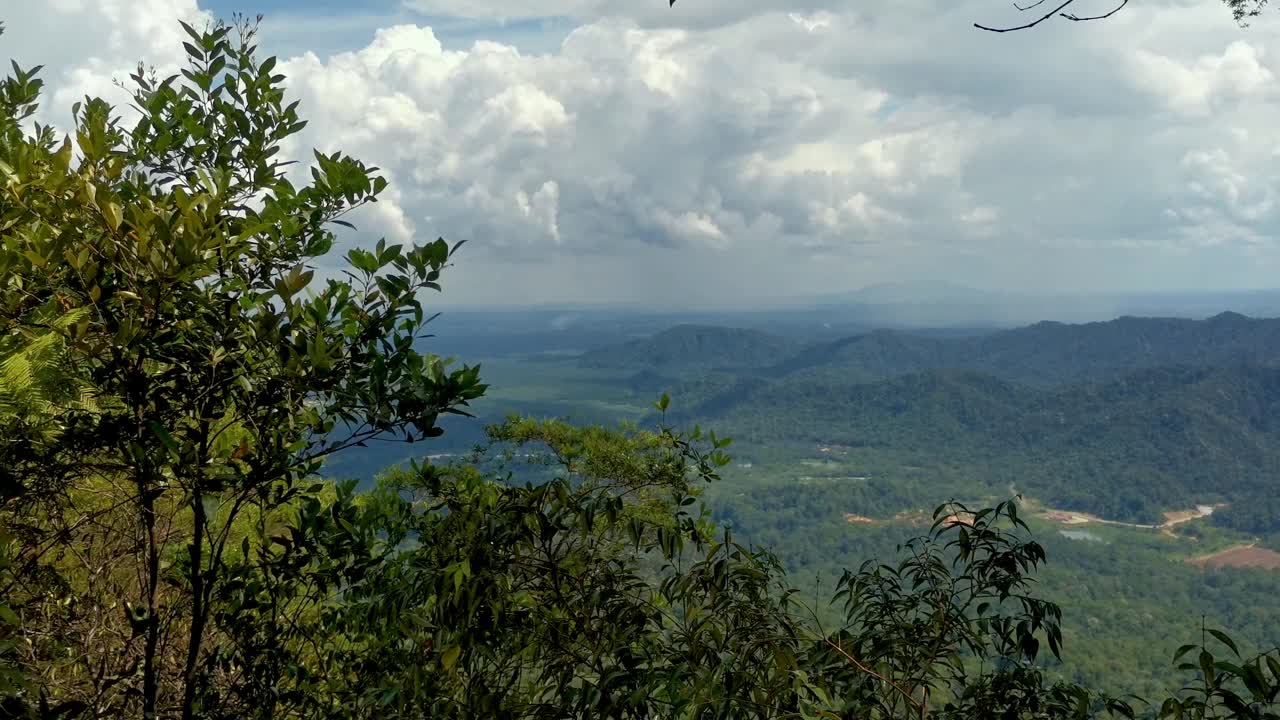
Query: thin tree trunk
[198,611]
[199,592]
[150,673]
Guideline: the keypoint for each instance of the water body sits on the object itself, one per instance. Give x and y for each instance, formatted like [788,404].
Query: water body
[1080,535]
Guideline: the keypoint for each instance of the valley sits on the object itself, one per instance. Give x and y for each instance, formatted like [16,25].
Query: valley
[1144,451]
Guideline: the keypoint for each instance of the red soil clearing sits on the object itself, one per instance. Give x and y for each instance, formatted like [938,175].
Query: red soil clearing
[1241,557]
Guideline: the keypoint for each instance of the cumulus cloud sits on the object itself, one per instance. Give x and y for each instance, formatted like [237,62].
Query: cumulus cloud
[705,14]
[753,148]
[86,46]
[1199,86]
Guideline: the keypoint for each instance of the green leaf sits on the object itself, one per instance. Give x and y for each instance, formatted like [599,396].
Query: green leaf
[191,32]
[1225,640]
[165,438]
[449,656]
[1183,650]
[114,215]
[1206,665]
[362,260]
[1254,681]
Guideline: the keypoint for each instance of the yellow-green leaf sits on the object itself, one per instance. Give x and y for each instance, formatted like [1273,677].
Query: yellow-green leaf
[114,215]
[449,657]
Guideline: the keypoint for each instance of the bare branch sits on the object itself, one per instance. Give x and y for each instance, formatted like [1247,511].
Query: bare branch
[858,664]
[1077,18]
[1031,24]
[1032,6]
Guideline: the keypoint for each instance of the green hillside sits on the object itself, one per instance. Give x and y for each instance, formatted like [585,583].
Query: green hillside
[1054,352]
[1126,448]
[694,347]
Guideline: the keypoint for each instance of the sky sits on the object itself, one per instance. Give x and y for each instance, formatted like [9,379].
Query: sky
[724,151]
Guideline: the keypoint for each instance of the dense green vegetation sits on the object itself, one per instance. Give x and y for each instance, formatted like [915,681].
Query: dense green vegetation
[1126,418]
[1121,446]
[175,379]
[1127,592]
[1126,449]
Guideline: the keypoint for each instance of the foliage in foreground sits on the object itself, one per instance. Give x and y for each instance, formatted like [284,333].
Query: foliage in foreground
[174,376]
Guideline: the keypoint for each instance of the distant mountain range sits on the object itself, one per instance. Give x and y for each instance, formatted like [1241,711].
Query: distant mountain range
[934,304]
[935,309]
[1046,353]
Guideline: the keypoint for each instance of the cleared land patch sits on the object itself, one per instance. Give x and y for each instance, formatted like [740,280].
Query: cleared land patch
[1242,556]
[1171,518]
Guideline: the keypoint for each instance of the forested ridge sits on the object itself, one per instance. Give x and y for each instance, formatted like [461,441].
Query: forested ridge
[175,376]
[689,347]
[1124,418]
[1126,448]
[1045,354]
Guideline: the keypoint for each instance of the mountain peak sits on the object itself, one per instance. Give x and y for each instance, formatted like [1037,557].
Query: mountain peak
[1229,316]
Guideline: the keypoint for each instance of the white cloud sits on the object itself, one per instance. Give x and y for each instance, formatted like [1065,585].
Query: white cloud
[1200,85]
[86,45]
[981,215]
[707,13]
[800,146]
